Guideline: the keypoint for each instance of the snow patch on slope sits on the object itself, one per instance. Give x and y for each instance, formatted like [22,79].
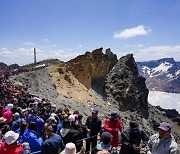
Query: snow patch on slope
[146,69]
[177,72]
[162,68]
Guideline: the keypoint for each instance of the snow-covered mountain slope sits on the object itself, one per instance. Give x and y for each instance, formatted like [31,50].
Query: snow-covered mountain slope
[164,100]
[161,75]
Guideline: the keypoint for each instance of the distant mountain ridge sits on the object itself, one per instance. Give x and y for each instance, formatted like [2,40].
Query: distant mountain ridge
[4,67]
[161,75]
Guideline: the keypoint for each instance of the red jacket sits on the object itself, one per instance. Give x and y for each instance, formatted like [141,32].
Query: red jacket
[110,126]
[10,149]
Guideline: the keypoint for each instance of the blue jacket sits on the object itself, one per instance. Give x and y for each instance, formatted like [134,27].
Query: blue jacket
[16,124]
[52,144]
[39,121]
[34,141]
[59,127]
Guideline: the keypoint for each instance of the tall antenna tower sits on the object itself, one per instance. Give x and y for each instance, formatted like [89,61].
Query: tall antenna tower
[34,55]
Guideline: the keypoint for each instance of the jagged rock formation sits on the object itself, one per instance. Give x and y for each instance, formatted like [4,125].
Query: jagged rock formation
[91,68]
[124,87]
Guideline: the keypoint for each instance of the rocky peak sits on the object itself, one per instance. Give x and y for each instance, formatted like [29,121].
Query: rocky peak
[124,87]
[3,67]
[112,58]
[91,68]
[169,60]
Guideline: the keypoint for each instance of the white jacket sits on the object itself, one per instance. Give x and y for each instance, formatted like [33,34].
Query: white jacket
[162,146]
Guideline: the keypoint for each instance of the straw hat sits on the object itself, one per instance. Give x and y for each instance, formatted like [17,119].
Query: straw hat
[2,119]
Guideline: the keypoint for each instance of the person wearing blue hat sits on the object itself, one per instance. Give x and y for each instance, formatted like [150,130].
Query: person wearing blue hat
[163,142]
[93,124]
[113,125]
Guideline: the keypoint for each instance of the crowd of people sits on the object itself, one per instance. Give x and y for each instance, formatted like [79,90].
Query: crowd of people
[29,125]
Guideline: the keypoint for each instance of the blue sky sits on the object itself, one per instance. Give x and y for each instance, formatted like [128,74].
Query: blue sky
[66,28]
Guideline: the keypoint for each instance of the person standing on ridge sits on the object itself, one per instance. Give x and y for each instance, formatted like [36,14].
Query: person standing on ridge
[93,124]
[131,139]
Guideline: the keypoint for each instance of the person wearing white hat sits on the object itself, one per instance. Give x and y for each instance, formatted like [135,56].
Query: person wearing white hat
[69,149]
[72,118]
[10,146]
[10,106]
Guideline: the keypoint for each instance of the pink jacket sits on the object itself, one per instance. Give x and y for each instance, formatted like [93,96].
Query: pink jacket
[9,116]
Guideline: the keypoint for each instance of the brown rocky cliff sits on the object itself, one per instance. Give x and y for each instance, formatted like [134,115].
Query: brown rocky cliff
[91,68]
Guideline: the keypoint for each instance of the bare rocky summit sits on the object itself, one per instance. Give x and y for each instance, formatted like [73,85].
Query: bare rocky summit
[96,80]
[92,68]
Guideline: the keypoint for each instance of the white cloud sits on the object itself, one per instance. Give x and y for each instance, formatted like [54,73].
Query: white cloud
[4,48]
[80,46]
[46,40]
[157,52]
[162,49]
[140,45]
[153,53]
[133,32]
[28,43]
[6,53]
[23,56]
[20,56]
